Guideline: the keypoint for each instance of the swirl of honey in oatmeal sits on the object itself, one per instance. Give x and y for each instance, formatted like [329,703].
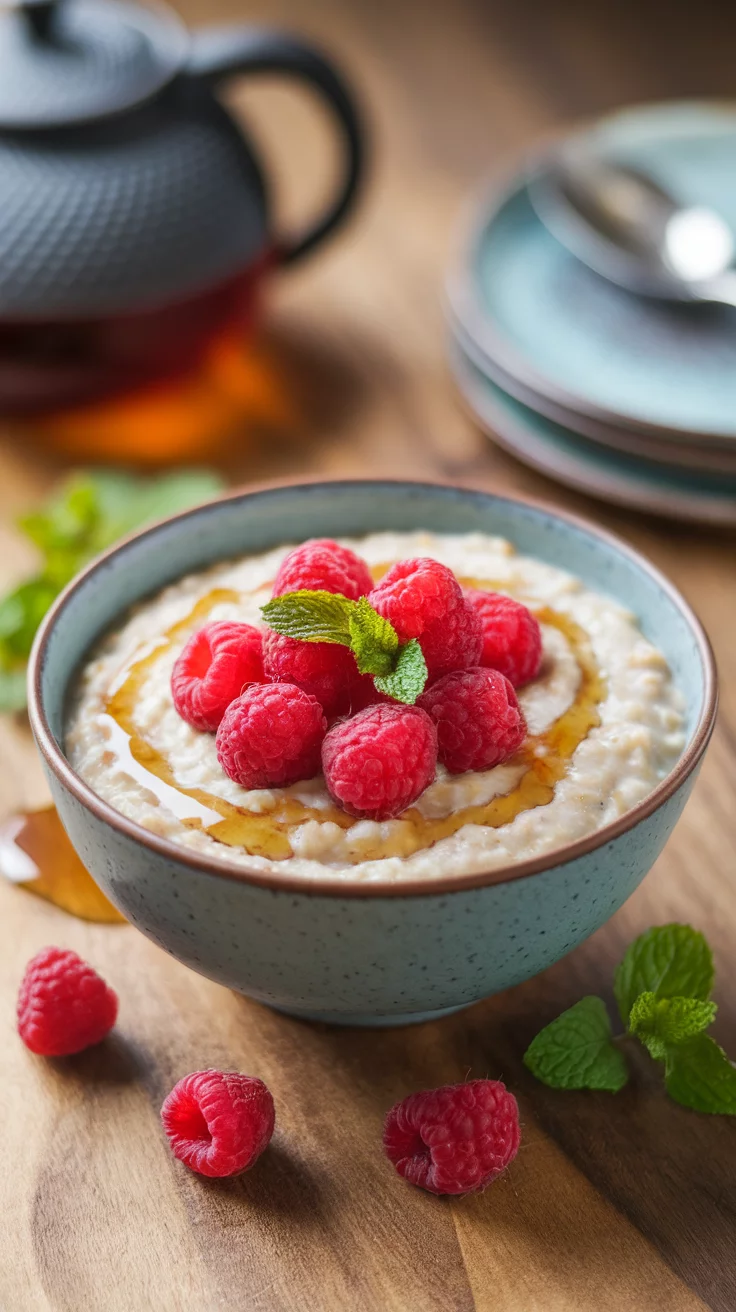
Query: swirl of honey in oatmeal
[543,760]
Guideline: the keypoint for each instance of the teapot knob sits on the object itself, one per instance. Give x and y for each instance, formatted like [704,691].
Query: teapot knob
[65,62]
[39,14]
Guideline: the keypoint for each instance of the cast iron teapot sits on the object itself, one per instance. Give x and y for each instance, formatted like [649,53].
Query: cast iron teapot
[130,202]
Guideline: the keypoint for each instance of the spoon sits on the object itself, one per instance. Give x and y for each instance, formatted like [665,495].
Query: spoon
[623,224]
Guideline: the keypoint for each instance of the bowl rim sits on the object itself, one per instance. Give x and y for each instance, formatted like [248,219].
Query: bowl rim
[335,885]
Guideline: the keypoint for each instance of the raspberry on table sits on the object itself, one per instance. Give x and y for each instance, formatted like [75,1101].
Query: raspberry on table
[63,1004]
[379,762]
[512,638]
[423,599]
[456,1139]
[218,1123]
[271,735]
[478,718]
[212,670]
[321,565]
[325,670]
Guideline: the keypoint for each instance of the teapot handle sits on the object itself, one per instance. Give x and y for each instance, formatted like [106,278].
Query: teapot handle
[218,53]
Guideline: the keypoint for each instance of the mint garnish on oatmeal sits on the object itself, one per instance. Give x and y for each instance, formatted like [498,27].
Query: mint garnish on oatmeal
[662,988]
[399,670]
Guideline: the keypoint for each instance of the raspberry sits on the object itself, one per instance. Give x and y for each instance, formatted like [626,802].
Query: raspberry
[365,693]
[218,1123]
[271,735]
[452,643]
[377,763]
[478,718]
[456,1139]
[63,1005]
[322,565]
[414,593]
[216,664]
[512,638]
[423,599]
[325,670]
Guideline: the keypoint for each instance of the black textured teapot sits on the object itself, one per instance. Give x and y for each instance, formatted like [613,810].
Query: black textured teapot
[134,216]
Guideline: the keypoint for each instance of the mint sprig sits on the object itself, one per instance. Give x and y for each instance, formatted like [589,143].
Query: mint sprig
[664,1023]
[373,641]
[577,1051]
[662,988]
[407,680]
[310,617]
[698,1074]
[398,669]
[669,961]
[92,510]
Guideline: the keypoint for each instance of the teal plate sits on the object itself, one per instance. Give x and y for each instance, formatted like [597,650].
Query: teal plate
[574,339]
[694,454]
[568,458]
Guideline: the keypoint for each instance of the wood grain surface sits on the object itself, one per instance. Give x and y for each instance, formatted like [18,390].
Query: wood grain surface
[613,1203]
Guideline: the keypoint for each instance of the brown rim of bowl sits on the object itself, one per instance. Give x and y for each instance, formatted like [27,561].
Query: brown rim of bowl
[335,886]
[465,303]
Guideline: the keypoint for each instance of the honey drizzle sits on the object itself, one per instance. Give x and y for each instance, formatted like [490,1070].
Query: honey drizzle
[544,757]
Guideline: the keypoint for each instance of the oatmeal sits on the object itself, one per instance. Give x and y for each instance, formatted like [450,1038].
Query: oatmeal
[604,722]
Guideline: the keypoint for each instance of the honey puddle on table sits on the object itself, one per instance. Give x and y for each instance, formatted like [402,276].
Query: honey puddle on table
[545,759]
[36,854]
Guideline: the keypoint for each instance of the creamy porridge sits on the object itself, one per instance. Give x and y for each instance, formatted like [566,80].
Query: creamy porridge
[605,725]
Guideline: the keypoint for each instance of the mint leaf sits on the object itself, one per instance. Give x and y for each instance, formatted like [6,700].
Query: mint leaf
[21,612]
[88,514]
[310,616]
[399,671]
[576,1050]
[699,1075]
[94,508]
[669,961]
[407,681]
[664,1022]
[67,520]
[373,640]
[126,503]
[12,690]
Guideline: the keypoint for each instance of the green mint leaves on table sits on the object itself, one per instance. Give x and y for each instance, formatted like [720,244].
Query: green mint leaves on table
[670,961]
[398,669]
[698,1074]
[662,1023]
[577,1050]
[92,510]
[662,988]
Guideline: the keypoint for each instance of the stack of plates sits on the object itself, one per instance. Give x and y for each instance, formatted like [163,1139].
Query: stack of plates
[630,399]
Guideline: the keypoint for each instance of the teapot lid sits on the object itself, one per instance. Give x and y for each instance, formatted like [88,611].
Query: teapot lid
[66,62]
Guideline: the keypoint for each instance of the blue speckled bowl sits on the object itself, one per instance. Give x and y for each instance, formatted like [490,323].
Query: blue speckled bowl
[365,955]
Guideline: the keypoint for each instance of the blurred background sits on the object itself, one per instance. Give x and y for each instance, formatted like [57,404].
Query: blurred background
[348,364]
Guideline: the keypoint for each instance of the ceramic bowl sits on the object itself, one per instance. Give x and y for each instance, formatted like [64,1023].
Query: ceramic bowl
[325,948]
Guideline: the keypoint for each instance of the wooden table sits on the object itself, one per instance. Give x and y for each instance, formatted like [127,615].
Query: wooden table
[613,1203]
